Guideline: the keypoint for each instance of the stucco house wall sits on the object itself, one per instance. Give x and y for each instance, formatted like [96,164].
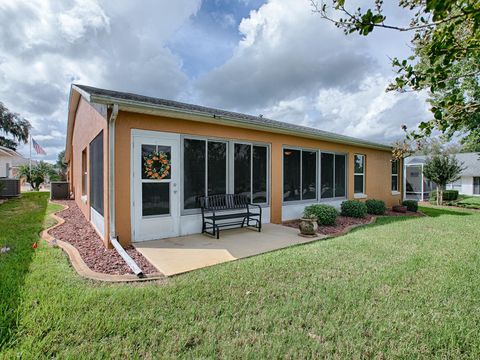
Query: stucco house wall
[89,122]
[378,162]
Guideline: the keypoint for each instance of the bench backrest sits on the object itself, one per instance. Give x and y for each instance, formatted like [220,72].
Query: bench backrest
[224,202]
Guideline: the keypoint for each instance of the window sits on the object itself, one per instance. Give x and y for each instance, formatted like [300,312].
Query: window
[241,169]
[84,172]
[299,175]
[96,173]
[250,171]
[205,170]
[359,174]
[333,175]
[476,185]
[394,175]
[260,170]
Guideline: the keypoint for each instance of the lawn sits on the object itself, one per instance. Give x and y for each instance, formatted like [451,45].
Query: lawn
[472,202]
[403,287]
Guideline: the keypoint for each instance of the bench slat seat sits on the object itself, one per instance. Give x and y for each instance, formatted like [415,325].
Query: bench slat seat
[217,208]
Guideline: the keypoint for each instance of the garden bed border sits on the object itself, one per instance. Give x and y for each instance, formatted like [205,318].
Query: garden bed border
[80,266]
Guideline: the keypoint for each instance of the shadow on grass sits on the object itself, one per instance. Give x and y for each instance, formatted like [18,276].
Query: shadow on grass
[21,220]
[436,212]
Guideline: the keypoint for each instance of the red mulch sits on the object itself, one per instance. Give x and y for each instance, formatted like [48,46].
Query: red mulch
[79,232]
[344,222]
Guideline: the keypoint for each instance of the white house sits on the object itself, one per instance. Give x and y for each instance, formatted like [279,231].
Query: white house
[417,187]
[9,161]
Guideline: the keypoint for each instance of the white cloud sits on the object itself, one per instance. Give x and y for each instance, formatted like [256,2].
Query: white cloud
[46,45]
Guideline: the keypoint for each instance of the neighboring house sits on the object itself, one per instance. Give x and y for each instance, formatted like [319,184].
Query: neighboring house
[10,160]
[284,167]
[417,187]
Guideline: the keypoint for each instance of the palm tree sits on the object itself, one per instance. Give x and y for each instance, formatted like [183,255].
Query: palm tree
[37,174]
[14,126]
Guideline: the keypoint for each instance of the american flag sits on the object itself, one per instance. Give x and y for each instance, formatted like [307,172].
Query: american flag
[38,148]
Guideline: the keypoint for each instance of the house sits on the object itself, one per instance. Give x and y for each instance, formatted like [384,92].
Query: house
[10,160]
[113,138]
[418,187]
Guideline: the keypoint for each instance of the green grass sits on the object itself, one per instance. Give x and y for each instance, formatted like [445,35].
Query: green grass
[400,288]
[472,202]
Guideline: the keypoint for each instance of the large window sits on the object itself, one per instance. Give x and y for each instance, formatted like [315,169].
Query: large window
[205,170]
[359,174]
[96,173]
[250,171]
[394,175]
[476,185]
[333,175]
[299,175]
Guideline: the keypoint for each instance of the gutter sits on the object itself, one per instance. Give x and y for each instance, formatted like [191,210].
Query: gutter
[111,194]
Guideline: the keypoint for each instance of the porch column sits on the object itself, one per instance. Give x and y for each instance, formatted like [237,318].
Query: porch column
[276,195]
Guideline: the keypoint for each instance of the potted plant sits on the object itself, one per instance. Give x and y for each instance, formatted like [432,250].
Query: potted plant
[308,225]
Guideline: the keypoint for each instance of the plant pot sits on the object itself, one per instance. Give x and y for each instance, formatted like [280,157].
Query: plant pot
[399,209]
[308,227]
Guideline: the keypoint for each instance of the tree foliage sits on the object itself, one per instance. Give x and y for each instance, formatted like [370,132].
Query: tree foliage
[37,174]
[442,169]
[61,165]
[14,127]
[446,58]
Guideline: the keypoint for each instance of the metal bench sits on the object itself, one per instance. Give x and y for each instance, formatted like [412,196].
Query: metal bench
[228,210]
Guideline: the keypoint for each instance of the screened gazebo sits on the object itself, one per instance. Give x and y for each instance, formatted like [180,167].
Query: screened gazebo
[417,187]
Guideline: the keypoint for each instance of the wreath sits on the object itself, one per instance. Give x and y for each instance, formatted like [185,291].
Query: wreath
[157,165]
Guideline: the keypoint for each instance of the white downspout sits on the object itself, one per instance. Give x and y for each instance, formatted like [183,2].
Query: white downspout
[111,193]
[111,169]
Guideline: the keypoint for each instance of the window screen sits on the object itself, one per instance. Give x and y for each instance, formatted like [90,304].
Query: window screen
[96,173]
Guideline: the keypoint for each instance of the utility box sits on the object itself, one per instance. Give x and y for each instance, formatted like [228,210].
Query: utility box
[11,188]
[59,190]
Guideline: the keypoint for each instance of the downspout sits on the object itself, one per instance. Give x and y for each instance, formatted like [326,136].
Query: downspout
[111,194]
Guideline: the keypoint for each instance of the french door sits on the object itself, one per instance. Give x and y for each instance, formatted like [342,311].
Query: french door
[155,185]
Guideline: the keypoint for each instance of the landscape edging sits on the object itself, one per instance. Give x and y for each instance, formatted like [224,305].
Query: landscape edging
[80,266]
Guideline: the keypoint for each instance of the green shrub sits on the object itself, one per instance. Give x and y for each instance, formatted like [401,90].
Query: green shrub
[325,214]
[375,207]
[412,205]
[450,195]
[353,208]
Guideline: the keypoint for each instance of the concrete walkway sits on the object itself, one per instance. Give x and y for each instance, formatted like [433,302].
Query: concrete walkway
[185,253]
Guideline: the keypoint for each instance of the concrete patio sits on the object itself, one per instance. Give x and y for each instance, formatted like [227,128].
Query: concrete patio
[185,253]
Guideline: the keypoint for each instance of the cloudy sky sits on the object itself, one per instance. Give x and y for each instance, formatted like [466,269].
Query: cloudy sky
[275,58]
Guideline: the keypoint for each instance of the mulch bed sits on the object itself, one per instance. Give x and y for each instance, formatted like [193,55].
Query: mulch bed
[344,222]
[78,232]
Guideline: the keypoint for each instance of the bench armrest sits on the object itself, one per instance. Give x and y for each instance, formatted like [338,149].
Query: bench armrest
[255,205]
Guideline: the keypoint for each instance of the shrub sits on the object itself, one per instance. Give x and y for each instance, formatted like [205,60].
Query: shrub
[412,205]
[450,195]
[325,214]
[353,208]
[375,207]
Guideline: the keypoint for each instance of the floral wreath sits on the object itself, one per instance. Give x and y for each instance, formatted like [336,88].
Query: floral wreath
[157,165]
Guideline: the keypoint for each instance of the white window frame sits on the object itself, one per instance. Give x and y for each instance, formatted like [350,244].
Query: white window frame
[396,176]
[230,175]
[359,174]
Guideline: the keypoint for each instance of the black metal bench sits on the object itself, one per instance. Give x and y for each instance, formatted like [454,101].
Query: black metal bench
[228,210]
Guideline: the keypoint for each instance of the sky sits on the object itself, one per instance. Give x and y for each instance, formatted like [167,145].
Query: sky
[276,58]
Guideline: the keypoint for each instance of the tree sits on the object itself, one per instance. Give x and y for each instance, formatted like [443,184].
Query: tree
[38,174]
[12,125]
[442,169]
[61,165]
[446,58]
